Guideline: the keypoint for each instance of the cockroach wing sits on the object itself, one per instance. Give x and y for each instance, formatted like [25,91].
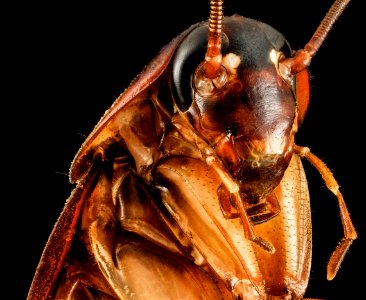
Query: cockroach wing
[189,190]
[59,242]
[145,222]
[140,109]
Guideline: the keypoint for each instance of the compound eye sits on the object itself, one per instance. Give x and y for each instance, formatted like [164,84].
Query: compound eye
[187,59]
[188,75]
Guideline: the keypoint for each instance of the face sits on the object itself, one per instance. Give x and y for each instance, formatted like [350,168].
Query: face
[248,114]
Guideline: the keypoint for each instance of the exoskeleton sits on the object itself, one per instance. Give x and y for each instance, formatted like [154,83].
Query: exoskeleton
[191,186]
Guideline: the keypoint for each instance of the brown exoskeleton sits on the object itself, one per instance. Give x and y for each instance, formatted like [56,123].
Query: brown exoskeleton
[191,185]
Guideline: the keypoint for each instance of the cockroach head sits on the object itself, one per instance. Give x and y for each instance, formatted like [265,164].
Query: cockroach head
[246,45]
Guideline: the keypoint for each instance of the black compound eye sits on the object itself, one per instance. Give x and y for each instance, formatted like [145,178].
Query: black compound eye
[190,53]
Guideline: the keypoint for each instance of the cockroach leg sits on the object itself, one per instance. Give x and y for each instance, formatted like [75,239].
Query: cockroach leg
[257,213]
[226,203]
[233,189]
[102,249]
[265,211]
[350,233]
[227,181]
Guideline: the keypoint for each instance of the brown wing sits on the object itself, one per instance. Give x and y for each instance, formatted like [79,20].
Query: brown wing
[151,73]
[60,240]
[84,171]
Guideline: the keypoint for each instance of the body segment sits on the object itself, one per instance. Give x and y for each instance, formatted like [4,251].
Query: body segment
[191,185]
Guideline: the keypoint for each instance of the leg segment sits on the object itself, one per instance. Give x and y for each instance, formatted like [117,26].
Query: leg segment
[350,233]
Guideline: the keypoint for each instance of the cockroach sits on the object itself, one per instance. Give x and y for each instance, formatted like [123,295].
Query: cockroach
[191,185]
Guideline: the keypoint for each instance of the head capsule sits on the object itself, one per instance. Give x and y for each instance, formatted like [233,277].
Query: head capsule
[248,112]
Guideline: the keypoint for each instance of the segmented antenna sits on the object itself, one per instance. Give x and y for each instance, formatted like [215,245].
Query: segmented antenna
[302,58]
[213,56]
[323,29]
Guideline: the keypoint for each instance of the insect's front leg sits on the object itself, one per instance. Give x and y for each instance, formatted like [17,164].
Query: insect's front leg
[131,247]
[189,191]
[350,233]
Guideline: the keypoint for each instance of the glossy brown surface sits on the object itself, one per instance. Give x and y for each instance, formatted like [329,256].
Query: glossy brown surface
[208,203]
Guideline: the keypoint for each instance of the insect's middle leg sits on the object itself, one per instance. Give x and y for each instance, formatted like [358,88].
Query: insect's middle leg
[137,251]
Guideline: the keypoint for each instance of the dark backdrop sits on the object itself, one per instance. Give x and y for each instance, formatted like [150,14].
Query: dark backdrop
[65,65]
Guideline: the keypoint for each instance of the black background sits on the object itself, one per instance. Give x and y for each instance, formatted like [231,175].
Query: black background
[66,63]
